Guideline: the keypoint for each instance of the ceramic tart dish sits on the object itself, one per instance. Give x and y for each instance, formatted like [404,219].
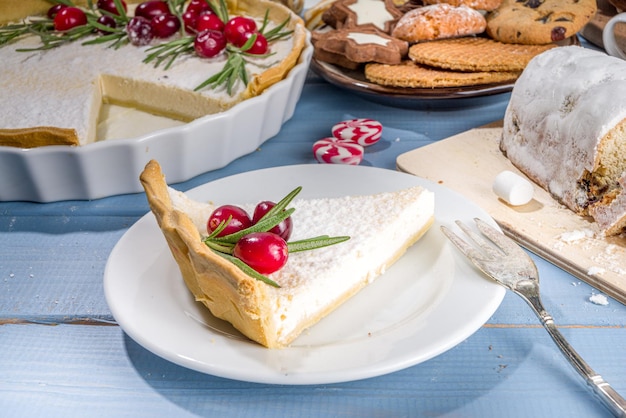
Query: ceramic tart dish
[186,147]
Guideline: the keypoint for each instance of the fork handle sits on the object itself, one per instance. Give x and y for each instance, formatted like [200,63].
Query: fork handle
[602,389]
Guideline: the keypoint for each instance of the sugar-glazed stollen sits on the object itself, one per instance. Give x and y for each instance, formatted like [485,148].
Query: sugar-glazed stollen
[560,131]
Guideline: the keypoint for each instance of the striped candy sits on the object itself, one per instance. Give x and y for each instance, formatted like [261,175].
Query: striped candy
[362,131]
[334,151]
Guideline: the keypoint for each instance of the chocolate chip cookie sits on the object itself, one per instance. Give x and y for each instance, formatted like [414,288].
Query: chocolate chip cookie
[539,21]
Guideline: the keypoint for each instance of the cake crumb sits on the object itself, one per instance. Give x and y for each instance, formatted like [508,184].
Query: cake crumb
[593,270]
[575,235]
[598,299]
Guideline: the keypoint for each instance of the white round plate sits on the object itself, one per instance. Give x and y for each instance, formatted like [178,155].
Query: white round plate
[428,302]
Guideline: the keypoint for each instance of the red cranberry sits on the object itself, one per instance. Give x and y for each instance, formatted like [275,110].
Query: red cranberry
[197,6]
[165,26]
[68,18]
[209,21]
[139,31]
[283,229]
[109,6]
[263,251]
[107,21]
[151,8]
[209,43]
[54,10]
[237,28]
[259,47]
[239,220]
[189,21]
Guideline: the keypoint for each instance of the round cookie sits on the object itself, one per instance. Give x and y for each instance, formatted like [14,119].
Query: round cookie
[487,5]
[539,21]
[439,21]
[410,74]
[475,54]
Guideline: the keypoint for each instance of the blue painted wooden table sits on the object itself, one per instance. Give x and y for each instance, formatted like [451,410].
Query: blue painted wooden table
[62,354]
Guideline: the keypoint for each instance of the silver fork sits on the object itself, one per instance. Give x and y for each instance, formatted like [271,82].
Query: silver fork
[509,265]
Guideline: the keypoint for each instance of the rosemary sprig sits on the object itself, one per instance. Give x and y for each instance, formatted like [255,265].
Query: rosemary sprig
[220,8]
[169,51]
[177,7]
[43,28]
[249,270]
[223,246]
[15,31]
[264,225]
[314,243]
[235,67]
[276,33]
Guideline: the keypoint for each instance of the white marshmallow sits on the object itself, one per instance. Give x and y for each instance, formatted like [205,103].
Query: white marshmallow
[513,188]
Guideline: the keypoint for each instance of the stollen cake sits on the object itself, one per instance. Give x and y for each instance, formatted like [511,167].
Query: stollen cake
[312,283]
[565,128]
[54,96]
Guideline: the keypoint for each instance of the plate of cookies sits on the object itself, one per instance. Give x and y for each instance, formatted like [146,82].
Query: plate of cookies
[436,49]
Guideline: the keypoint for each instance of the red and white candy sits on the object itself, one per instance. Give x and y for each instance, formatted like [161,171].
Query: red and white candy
[334,151]
[362,131]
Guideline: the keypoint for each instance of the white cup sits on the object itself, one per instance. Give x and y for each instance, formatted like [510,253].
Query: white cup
[608,36]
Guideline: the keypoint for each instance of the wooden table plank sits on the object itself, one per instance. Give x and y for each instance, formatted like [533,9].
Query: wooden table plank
[72,370]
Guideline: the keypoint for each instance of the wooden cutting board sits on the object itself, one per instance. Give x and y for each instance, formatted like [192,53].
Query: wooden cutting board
[469,162]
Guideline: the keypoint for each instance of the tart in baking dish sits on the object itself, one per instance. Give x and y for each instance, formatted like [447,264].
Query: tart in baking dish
[54,96]
[311,283]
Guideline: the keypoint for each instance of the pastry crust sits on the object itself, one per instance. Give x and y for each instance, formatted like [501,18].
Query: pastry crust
[229,293]
[37,137]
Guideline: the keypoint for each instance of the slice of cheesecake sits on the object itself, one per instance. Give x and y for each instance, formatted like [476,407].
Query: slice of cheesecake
[312,283]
